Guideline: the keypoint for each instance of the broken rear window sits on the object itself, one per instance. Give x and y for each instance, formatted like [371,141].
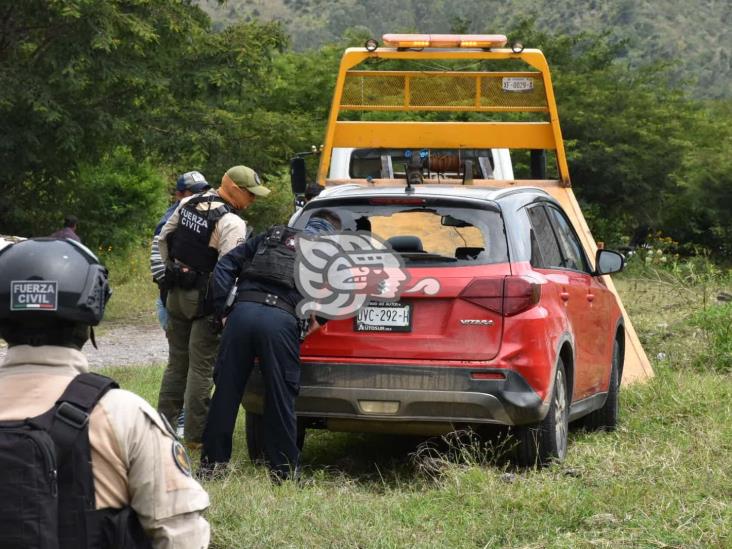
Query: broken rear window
[432,234]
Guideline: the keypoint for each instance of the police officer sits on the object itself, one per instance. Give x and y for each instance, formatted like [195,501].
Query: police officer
[139,481]
[262,324]
[202,229]
[188,184]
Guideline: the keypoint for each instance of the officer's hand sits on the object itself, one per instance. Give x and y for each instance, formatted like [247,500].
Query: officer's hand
[314,326]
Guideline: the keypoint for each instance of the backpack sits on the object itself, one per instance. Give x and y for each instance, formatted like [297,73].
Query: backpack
[47,497]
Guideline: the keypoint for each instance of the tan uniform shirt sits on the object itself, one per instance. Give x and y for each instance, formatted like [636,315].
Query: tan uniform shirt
[132,450]
[230,230]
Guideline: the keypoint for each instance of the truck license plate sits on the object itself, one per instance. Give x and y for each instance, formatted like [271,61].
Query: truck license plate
[384,317]
[517,84]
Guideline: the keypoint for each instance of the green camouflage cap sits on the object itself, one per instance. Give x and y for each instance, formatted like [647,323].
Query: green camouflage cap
[247,178]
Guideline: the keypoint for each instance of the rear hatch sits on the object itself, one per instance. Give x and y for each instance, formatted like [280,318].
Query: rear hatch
[455,256]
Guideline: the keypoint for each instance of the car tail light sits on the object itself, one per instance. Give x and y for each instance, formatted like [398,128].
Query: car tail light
[519,294]
[506,296]
[486,293]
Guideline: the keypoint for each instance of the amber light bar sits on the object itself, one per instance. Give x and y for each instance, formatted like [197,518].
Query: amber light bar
[444,40]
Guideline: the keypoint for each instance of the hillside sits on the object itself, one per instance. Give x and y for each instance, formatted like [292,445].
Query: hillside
[697,33]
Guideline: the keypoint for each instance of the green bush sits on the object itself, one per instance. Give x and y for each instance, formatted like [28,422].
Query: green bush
[664,258]
[611,230]
[118,201]
[275,208]
[716,321]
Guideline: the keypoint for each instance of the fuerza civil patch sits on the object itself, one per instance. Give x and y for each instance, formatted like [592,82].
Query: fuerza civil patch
[29,295]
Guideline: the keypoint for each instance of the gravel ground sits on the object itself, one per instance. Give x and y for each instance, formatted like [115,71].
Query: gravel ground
[121,345]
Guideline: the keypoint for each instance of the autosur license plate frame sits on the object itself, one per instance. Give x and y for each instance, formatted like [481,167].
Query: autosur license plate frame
[383,307]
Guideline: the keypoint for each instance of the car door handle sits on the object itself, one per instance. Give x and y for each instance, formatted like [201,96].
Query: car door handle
[590,297]
[564,296]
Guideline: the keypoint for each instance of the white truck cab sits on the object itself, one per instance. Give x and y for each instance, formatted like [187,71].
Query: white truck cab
[383,163]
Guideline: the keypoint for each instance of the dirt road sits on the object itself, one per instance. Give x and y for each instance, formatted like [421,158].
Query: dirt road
[121,345]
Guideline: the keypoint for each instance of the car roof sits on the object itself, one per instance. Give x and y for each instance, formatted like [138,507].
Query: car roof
[492,194]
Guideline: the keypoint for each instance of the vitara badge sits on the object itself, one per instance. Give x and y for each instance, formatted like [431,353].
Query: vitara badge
[29,295]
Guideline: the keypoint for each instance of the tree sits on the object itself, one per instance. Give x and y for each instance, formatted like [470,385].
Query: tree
[625,128]
[79,78]
[76,78]
[699,213]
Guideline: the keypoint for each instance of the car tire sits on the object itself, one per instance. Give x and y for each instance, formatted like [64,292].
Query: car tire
[606,418]
[254,426]
[546,441]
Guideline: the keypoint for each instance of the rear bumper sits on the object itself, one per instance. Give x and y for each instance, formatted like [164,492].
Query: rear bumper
[438,395]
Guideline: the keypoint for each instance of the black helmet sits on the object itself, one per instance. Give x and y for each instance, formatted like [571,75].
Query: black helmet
[52,280]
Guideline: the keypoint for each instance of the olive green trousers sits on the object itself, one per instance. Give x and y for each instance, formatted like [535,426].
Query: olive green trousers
[192,348]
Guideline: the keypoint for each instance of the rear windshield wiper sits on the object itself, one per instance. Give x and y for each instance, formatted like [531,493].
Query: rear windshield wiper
[423,256]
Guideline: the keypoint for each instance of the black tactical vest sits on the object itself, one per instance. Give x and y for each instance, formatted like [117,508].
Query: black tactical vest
[274,260]
[195,227]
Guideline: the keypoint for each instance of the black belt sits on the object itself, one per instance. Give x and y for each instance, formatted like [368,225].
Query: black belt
[272,300]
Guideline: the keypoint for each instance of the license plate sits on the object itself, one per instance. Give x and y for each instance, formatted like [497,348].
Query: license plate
[517,84]
[384,317]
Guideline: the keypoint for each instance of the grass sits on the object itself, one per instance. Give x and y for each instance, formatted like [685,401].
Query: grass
[133,291]
[663,479]
[662,306]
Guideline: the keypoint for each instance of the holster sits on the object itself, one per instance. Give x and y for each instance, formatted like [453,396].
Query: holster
[171,273]
[185,278]
[188,279]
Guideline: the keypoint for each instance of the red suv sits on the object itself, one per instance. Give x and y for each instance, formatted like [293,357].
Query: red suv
[521,332]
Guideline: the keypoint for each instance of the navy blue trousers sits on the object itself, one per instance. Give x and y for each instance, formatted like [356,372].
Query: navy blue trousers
[272,335]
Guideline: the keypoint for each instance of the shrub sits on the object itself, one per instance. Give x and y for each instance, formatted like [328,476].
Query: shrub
[611,230]
[275,208]
[716,322]
[118,201]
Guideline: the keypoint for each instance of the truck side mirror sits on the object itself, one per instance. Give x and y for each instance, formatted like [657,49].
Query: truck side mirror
[297,175]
